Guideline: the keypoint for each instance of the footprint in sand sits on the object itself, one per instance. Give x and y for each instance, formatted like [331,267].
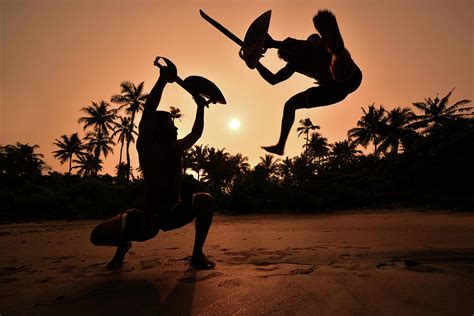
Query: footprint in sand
[361,274]
[230,283]
[239,257]
[267,269]
[150,264]
[345,256]
[196,278]
[56,259]
[45,279]
[266,276]
[308,270]
[25,268]
[412,265]
[345,262]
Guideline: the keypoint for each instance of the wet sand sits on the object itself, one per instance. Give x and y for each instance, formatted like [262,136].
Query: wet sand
[346,263]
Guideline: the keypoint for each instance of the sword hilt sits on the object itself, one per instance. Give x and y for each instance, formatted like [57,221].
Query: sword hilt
[178,80]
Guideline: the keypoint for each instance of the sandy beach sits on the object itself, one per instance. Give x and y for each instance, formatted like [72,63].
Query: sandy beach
[345,263]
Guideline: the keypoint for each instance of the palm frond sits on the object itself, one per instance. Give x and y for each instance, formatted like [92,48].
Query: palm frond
[442,103]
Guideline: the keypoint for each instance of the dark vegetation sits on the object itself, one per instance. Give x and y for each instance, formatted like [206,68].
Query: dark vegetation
[421,159]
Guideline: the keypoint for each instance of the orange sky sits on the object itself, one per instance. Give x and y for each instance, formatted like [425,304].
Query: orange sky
[58,56]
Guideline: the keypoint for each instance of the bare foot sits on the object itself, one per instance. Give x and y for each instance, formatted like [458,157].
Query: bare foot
[202,262]
[117,260]
[277,150]
[326,24]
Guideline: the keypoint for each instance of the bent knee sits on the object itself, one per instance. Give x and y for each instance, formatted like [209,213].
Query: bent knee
[203,201]
[291,106]
[203,197]
[147,234]
[98,235]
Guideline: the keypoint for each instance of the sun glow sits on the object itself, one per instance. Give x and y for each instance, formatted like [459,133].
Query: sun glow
[234,124]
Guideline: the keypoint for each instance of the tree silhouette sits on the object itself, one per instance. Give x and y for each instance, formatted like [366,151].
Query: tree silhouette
[98,143]
[175,113]
[99,117]
[285,169]
[21,161]
[318,148]
[122,131]
[369,128]
[240,166]
[121,173]
[131,98]
[69,146]
[87,165]
[305,127]
[343,152]
[218,171]
[270,165]
[398,129]
[197,156]
[437,112]
[301,171]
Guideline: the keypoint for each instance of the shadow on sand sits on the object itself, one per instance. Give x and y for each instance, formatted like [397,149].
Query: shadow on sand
[125,297]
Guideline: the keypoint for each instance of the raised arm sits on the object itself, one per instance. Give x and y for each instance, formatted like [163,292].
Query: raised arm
[147,124]
[189,140]
[282,74]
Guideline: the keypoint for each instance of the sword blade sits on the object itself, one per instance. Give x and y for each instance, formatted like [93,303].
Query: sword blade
[221,28]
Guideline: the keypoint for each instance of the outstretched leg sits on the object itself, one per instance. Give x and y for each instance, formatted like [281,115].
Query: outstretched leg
[295,102]
[203,205]
[313,97]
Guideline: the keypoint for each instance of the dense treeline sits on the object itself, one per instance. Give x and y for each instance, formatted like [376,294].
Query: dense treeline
[413,159]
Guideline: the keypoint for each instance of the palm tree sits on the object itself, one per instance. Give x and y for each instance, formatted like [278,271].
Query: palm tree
[218,172]
[240,165]
[139,173]
[122,173]
[318,147]
[132,98]
[305,127]
[69,146]
[437,112]
[241,162]
[197,155]
[301,171]
[99,143]
[21,161]
[88,165]
[175,113]
[369,128]
[122,131]
[398,129]
[270,165]
[99,117]
[285,168]
[343,152]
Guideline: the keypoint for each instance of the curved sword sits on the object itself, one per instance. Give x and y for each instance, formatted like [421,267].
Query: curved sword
[221,28]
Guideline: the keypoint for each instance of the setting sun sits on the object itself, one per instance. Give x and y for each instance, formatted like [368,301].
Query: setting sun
[234,124]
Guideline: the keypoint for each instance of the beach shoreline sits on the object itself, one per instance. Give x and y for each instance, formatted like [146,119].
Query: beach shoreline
[345,262]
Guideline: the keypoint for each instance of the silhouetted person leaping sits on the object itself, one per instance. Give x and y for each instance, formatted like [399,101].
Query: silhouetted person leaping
[160,154]
[323,58]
